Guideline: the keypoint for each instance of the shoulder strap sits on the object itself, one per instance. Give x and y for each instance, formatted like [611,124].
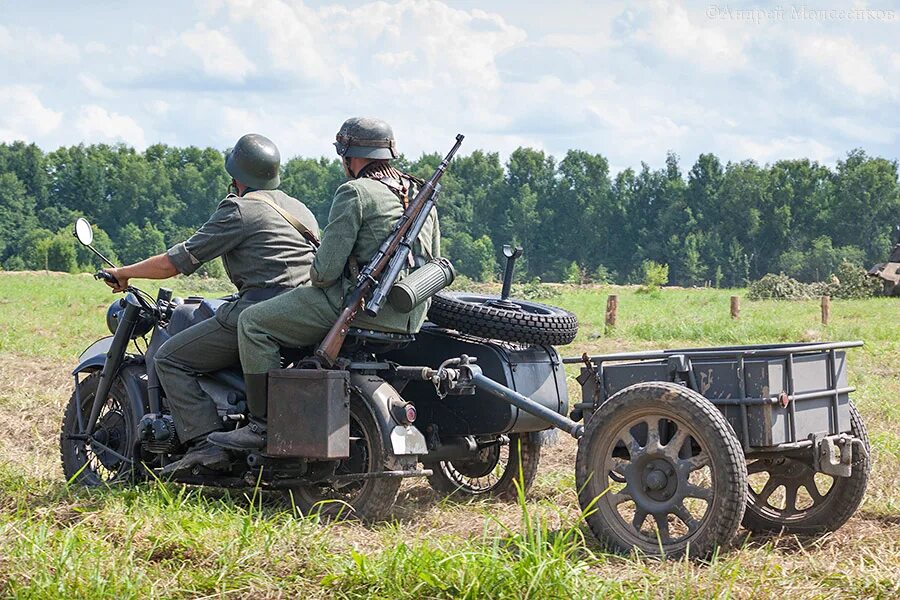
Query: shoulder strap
[294,221]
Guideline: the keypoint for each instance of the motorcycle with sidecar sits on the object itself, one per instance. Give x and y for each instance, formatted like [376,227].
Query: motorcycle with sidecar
[340,440]
[676,448]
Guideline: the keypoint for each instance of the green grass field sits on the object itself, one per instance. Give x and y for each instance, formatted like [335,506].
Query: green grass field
[170,541]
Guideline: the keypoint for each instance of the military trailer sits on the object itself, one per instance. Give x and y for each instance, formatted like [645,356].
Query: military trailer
[683,446]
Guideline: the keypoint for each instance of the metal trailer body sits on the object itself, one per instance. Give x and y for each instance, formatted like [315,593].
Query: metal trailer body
[773,396]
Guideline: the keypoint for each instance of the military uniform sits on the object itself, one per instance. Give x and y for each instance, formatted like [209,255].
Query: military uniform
[362,215]
[263,255]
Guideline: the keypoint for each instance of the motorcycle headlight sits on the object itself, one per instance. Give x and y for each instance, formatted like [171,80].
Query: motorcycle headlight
[114,315]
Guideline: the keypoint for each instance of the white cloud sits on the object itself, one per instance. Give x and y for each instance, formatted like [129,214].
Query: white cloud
[94,86]
[95,123]
[219,54]
[667,26]
[843,59]
[95,47]
[771,150]
[23,116]
[33,47]
[627,80]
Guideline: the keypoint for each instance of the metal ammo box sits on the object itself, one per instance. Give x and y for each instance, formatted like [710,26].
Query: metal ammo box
[771,395]
[309,413]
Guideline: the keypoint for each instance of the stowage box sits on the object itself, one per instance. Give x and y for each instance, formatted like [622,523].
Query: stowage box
[309,413]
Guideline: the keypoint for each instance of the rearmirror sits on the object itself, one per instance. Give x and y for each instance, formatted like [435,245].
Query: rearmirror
[83,231]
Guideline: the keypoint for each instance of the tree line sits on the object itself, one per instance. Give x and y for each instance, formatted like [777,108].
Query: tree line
[717,224]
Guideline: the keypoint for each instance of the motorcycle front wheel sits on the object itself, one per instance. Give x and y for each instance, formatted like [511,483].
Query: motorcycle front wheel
[108,456]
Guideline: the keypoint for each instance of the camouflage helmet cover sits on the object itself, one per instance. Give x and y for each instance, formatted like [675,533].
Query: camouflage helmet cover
[366,138]
[254,161]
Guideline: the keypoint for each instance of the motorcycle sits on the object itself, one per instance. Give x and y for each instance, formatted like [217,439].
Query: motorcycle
[466,412]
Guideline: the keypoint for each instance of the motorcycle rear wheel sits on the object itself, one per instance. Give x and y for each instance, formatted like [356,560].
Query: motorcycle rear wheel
[109,458]
[366,499]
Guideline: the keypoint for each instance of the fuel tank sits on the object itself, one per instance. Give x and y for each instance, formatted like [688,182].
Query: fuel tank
[534,371]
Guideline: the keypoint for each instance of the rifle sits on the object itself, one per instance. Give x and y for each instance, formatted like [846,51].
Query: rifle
[387,262]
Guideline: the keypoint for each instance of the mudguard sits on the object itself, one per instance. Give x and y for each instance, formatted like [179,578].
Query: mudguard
[402,439]
[93,357]
[133,376]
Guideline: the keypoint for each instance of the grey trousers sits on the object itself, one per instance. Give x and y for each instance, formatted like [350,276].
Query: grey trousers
[208,346]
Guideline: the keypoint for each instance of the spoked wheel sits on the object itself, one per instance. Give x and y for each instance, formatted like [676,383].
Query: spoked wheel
[366,499]
[787,494]
[493,471]
[659,469]
[109,457]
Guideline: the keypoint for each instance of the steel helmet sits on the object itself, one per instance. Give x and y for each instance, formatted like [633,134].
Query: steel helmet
[366,138]
[254,161]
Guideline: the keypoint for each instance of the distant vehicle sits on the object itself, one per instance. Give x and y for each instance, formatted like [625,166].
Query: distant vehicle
[889,273]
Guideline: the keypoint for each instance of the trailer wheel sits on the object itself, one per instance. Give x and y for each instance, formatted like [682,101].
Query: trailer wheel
[660,470]
[786,494]
[493,472]
[512,320]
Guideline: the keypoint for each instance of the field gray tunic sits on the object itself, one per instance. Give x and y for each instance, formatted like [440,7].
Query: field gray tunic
[263,255]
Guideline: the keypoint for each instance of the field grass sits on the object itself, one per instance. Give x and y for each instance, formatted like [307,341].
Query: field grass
[164,540]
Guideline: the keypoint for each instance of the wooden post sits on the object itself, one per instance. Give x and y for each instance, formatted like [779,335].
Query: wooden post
[735,307]
[826,309]
[612,307]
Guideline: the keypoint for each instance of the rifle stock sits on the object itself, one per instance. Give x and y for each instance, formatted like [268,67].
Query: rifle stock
[329,348]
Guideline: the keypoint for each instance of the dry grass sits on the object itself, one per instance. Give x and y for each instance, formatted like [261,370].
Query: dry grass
[169,541]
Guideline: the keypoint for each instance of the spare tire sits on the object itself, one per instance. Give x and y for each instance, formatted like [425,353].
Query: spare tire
[510,320]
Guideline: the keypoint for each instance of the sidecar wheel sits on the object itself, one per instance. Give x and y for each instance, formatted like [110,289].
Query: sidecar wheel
[660,470]
[494,472]
[96,465]
[366,499]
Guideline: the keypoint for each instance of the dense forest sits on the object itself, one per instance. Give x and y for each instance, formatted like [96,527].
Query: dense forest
[718,224]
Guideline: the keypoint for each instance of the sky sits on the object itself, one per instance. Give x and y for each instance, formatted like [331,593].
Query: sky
[632,81]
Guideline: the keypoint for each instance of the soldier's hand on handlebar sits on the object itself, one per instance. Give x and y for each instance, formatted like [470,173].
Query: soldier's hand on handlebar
[112,279]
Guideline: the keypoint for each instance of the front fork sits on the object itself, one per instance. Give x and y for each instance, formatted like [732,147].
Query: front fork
[115,356]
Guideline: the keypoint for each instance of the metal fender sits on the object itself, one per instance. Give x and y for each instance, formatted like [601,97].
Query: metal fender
[402,439]
[134,378]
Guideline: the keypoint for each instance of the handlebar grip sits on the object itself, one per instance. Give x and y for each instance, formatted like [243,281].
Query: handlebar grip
[105,276]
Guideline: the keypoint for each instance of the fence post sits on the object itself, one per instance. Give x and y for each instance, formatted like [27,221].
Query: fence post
[735,307]
[612,307]
[826,309]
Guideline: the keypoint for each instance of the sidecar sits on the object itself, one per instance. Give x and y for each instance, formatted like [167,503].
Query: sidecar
[477,442]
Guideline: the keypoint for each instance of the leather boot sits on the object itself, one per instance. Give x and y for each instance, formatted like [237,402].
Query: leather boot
[249,437]
[253,435]
[200,454]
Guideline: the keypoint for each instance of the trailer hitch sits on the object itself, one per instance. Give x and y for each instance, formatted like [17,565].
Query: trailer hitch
[470,377]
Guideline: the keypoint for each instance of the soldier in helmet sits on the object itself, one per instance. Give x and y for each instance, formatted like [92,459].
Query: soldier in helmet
[266,241]
[363,213]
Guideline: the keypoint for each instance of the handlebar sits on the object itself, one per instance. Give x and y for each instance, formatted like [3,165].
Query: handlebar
[106,276]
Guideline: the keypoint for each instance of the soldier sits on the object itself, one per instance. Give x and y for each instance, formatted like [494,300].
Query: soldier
[363,213]
[266,241]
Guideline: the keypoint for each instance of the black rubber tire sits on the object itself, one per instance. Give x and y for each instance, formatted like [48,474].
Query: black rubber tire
[703,425]
[448,479]
[530,323]
[373,499]
[74,454]
[836,507]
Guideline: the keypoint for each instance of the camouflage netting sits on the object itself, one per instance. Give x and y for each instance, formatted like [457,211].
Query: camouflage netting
[850,282]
